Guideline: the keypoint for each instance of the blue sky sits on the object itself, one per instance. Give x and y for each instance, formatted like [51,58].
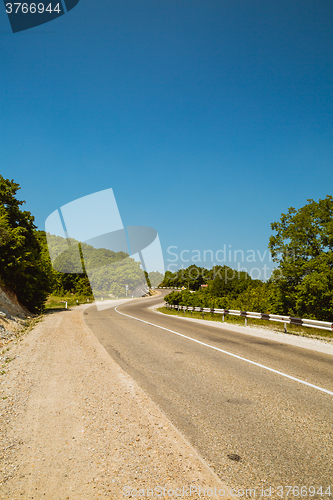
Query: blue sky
[207,118]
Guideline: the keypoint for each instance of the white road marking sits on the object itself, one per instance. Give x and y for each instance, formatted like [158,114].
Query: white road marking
[231,354]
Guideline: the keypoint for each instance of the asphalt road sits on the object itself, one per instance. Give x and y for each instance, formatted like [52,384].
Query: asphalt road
[255,427]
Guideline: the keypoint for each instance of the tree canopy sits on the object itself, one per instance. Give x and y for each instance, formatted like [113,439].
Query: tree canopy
[303,249]
[22,268]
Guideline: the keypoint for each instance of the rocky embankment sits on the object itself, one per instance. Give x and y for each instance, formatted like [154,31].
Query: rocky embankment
[13,318]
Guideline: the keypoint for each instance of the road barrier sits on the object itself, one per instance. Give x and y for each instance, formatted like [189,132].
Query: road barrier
[311,323]
[171,288]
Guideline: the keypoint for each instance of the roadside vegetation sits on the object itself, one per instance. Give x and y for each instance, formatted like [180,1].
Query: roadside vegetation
[301,284]
[26,268]
[25,264]
[59,301]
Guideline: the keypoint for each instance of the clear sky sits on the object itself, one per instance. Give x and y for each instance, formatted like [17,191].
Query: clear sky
[208,119]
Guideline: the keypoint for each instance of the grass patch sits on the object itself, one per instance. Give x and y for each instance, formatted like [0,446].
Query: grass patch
[58,302]
[237,320]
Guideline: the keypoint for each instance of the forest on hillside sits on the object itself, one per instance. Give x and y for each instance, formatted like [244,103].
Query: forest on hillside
[34,264]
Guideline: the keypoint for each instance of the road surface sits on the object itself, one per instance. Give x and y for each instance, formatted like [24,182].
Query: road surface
[255,427]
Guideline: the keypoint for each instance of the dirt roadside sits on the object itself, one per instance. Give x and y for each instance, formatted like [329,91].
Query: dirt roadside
[74,425]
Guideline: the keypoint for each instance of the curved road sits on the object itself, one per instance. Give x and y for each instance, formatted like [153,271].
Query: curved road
[255,427]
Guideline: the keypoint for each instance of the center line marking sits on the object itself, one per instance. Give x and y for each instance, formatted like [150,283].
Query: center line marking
[231,354]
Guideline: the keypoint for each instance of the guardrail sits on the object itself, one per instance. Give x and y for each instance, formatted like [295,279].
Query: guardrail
[311,323]
[171,288]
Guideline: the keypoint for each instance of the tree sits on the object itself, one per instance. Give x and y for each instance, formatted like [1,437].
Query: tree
[62,283]
[22,268]
[255,297]
[192,278]
[155,278]
[228,282]
[147,279]
[302,247]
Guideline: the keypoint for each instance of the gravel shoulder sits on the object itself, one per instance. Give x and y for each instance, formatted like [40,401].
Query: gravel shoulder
[76,426]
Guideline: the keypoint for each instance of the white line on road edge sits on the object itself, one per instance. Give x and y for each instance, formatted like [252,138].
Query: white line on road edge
[231,354]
